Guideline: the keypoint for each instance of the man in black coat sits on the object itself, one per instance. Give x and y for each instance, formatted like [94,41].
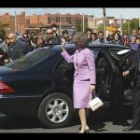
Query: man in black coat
[50,39]
[17,47]
[135,67]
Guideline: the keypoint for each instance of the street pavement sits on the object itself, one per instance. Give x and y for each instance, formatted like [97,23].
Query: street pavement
[102,120]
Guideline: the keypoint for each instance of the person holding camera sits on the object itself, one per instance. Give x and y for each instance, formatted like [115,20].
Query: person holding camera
[84,76]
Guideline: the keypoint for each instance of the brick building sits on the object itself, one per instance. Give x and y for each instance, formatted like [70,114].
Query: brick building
[34,22]
[65,21]
[21,23]
[9,20]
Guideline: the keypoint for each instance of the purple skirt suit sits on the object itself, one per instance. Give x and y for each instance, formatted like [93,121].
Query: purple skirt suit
[84,75]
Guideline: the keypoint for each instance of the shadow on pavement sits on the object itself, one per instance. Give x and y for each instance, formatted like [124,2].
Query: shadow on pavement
[96,119]
[116,117]
[14,122]
[98,126]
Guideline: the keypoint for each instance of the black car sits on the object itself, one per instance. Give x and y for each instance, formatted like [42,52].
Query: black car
[40,84]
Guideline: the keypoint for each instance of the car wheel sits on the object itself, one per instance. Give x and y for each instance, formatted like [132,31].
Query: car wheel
[56,110]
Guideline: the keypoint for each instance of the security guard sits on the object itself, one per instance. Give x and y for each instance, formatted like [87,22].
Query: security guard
[135,67]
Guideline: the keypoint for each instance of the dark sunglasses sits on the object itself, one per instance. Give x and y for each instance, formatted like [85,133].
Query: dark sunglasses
[10,37]
[48,33]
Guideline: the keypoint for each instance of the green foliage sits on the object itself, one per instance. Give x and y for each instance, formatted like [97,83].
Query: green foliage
[134,23]
[3,25]
[100,27]
[79,26]
[130,25]
[125,26]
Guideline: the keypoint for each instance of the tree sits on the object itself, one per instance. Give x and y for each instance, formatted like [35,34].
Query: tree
[125,26]
[134,23]
[3,25]
[79,25]
[100,27]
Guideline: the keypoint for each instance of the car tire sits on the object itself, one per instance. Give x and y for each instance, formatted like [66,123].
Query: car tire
[56,110]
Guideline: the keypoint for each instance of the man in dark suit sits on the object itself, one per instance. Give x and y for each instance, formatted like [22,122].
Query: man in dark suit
[135,67]
[17,47]
[50,39]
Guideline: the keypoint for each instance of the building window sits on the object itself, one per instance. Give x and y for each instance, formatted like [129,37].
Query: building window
[62,19]
[49,19]
[57,19]
[78,21]
[68,19]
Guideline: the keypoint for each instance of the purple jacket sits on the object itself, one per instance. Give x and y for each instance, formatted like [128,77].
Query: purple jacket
[134,46]
[84,64]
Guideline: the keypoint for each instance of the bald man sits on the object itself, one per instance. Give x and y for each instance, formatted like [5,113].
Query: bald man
[17,47]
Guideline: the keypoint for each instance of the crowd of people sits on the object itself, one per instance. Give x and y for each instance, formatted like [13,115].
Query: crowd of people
[12,47]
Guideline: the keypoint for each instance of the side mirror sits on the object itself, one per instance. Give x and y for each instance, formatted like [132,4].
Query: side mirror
[123,52]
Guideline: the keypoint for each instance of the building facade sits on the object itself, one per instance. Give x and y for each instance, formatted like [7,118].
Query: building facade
[9,20]
[72,22]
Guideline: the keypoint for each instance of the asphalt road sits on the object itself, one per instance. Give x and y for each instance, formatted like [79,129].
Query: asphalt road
[101,121]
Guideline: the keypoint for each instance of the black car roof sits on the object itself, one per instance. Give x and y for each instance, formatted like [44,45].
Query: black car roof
[106,45]
[70,46]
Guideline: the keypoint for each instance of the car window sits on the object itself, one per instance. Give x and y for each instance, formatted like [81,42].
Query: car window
[66,71]
[122,61]
[95,52]
[31,59]
[113,52]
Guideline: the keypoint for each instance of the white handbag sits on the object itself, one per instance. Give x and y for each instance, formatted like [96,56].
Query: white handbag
[95,103]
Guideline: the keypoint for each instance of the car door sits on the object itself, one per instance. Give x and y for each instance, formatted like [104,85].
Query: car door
[109,85]
[101,62]
[117,81]
[104,70]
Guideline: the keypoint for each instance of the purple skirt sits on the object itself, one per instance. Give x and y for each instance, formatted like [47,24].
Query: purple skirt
[81,93]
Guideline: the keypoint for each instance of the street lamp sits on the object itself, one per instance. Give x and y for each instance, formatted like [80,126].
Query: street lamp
[83,22]
[121,23]
[60,25]
[104,20]
[139,22]
[15,22]
[73,30]
[128,26]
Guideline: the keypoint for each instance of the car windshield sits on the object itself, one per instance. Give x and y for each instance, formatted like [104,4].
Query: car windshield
[30,59]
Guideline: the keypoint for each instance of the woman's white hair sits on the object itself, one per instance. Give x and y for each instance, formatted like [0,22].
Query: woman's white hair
[80,36]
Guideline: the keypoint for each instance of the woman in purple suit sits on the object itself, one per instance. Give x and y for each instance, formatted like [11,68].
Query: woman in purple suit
[84,76]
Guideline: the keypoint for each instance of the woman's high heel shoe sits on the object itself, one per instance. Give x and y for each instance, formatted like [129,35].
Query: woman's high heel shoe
[86,130]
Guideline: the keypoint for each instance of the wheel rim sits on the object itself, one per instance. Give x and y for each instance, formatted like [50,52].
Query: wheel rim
[57,110]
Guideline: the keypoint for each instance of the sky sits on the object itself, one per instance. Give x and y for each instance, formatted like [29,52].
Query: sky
[97,12]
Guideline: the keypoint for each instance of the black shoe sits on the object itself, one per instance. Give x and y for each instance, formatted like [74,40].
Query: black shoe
[129,128]
[121,122]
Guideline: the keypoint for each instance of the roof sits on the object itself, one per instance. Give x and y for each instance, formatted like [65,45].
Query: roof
[94,45]
[106,45]
[58,48]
